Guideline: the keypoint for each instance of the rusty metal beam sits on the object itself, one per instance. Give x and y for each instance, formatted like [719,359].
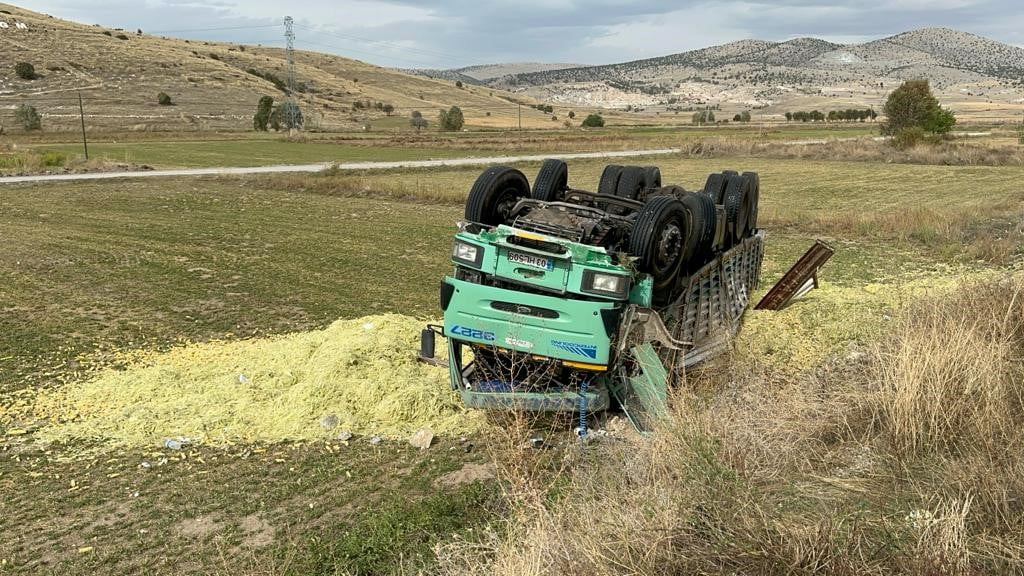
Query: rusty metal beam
[800,279]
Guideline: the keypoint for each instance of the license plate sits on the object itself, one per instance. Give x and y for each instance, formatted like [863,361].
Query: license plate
[531,260]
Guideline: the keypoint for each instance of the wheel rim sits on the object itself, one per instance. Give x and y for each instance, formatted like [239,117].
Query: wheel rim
[668,248]
[506,202]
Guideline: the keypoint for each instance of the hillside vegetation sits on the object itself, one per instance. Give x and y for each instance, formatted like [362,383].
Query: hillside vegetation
[212,85]
[979,75]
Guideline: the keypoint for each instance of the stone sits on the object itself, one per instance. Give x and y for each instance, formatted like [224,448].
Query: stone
[422,438]
[329,422]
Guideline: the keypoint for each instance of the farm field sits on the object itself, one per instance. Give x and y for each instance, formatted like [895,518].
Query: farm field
[94,269]
[196,150]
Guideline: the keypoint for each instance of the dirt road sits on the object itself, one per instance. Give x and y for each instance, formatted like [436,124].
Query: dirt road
[341,166]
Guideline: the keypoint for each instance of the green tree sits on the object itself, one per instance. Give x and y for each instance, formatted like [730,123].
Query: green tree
[288,115]
[789,116]
[164,99]
[593,121]
[451,120]
[913,105]
[703,117]
[571,114]
[389,109]
[417,121]
[25,71]
[29,117]
[263,111]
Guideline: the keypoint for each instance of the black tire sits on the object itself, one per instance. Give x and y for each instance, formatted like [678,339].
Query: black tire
[701,236]
[552,181]
[737,200]
[714,187]
[652,176]
[658,240]
[609,180]
[632,182]
[494,194]
[755,198]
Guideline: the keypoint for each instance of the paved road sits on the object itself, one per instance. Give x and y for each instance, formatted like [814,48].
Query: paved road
[324,165]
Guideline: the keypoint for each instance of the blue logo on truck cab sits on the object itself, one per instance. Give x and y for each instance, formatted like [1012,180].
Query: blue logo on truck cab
[581,349]
[472,333]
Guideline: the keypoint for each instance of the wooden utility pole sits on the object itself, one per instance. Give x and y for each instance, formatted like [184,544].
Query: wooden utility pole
[81,114]
[520,115]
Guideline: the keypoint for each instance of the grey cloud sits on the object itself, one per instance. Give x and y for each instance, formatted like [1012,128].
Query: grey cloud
[462,32]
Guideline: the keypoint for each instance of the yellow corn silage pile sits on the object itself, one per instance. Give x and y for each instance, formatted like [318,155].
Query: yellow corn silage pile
[363,372]
[827,322]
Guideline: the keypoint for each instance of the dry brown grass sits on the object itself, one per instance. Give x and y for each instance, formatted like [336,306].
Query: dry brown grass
[948,153]
[903,461]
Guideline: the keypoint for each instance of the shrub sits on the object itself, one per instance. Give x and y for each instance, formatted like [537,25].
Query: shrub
[451,120]
[908,137]
[109,33]
[264,109]
[52,158]
[164,99]
[29,117]
[25,71]
[122,36]
[593,121]
[287,115]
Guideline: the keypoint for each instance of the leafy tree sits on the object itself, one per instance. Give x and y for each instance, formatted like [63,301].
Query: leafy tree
[29,117]
[451,120]
[164,99]
[288,115]
[263,111]
[458,83]
[388,109]
[913,105]
[571,114]
[789,116]
[417,121]
[703,117]
[25,71]
[593,121]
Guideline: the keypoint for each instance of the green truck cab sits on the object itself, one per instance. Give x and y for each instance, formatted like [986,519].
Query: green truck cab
[559,297]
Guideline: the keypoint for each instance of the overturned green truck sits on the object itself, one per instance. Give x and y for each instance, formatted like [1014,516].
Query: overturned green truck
[563,299]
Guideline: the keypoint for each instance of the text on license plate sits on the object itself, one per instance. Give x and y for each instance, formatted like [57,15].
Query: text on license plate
[531,260]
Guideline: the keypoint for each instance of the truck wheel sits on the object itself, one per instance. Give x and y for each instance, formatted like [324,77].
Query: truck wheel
[552,181]
[494,194]
[701,235]
[609,180]
[755,197]
[632,182]
[737,199]
[652,175]
[715,187]
[658,239]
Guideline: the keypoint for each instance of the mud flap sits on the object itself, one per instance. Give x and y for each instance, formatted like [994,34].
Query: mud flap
[643,395]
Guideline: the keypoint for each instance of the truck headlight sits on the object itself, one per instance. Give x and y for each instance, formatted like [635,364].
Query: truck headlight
[468,253]
[605,284]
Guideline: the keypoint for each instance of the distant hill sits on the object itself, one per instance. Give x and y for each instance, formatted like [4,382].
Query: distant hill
[213,85]
[970,70]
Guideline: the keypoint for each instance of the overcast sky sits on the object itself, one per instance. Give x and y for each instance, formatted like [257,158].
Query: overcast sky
[451,33]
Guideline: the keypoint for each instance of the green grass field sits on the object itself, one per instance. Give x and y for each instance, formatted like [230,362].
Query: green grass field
[91,267]
[195,151]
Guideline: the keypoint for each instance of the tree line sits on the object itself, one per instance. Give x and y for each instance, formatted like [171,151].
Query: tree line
[848,115]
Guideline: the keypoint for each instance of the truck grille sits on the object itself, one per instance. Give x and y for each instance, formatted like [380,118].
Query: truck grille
[520,309]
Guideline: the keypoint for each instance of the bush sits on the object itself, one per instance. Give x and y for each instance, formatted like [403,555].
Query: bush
[25,71]
[908,137]
[29,117]
[164,99]
[417,121]
[52,158]
[593,121]
[264,109]
[288,115]
[451,120]
[122,36]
